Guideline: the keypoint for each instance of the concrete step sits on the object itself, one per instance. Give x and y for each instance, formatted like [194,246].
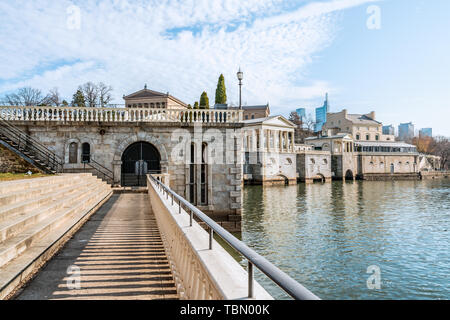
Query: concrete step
[20,196]
[20,185]
[15,273]
[8,212]
[18,244]
[18,223]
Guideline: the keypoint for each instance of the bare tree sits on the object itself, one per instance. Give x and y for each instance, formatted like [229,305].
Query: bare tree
[54,98]
[25,97]
[441,148]
[302,129]
[90,92]
[104,93]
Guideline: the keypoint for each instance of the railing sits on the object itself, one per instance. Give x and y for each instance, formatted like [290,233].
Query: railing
[73,114]
[289,285]
[25,143]
[101,170]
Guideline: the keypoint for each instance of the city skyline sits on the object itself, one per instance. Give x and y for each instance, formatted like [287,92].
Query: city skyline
[386,56]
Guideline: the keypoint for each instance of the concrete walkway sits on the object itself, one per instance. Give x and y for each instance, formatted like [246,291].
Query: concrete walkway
[118,254]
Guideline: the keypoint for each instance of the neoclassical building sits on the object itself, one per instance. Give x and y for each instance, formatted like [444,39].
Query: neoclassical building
[269,154]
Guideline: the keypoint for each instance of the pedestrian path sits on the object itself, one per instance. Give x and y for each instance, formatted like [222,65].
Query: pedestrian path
[117,254]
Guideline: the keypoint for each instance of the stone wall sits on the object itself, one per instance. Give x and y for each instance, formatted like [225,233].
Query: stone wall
[12,163]
[313,165]
[109,141]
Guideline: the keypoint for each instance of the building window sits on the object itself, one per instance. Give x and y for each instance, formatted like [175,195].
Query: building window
[246,117]
[377,137]
[253,116]
[85,152]
[367,137]
[73,152]
[358,136]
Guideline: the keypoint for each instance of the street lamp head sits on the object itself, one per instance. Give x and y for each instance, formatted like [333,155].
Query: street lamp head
[240,75]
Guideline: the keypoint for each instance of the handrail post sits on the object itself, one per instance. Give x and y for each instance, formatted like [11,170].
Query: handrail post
[191,218]
[250,280]
[211,237]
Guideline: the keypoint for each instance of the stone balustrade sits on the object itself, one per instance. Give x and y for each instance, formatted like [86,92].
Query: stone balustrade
[200,273]
[74,114]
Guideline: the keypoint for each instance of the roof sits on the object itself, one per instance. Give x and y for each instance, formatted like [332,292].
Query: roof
[392,144]
[361,119]
[145,93]
[336,136]
[265,106]
[266,119]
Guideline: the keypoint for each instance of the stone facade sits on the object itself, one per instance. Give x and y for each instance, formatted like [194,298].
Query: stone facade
[108,141]
[314,165]
[362,127]
[269,154]
[12,163]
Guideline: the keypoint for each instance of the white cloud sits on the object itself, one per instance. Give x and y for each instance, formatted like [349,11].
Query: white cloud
[176,46]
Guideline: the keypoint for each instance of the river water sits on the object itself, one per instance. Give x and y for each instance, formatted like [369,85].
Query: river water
[344,240]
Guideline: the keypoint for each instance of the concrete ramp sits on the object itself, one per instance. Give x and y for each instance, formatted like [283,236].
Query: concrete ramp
[37,217]
[117,255]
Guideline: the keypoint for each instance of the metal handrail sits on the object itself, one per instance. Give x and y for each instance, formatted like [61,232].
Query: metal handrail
[46,155]
[284,281]
[28,138]
[106,172]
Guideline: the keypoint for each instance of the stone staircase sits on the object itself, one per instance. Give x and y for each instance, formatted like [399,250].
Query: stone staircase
[38,216]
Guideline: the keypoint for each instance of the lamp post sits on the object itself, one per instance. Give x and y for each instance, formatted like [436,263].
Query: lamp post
[240,76]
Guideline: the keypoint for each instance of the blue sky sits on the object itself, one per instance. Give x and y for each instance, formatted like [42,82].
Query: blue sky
[291,52]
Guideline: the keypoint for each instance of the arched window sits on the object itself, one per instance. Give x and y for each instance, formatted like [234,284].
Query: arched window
[85,152]
[358,136]
[73,152]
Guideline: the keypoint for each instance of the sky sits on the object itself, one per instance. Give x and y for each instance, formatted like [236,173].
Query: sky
[390,56]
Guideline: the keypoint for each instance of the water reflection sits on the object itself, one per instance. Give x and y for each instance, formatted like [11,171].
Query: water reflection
[327,235]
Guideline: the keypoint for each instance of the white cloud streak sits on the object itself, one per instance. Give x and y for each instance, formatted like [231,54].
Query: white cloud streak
[176,46]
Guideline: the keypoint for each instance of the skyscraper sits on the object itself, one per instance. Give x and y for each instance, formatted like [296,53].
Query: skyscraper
[406,131]
[301,113]
[389,130]
[426,132]
[321,115]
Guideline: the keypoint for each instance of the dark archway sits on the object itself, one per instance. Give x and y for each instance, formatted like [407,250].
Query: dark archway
[138,160]
[349,175]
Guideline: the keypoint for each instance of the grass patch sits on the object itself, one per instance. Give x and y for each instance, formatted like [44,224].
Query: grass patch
[20,176]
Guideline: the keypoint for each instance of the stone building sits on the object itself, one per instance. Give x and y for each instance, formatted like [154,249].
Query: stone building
[146,98]
[269,155]
[362,127]
[132,142]
[250,112]
[342,153]
[312,165]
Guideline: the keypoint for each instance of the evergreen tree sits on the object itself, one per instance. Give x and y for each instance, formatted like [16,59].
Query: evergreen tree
[204,101]
[65,103]
[221,91]
[78,99]
[196,105]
